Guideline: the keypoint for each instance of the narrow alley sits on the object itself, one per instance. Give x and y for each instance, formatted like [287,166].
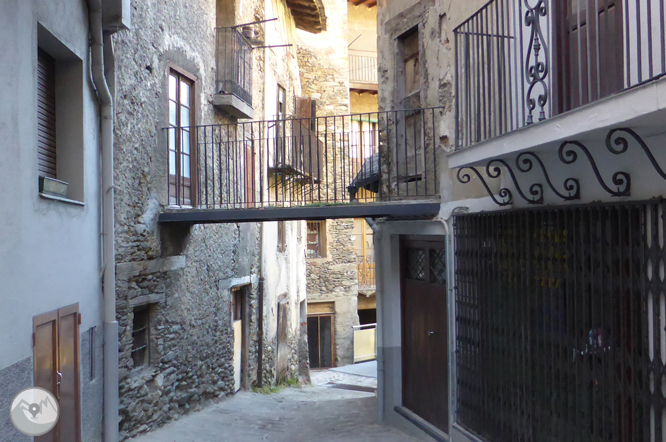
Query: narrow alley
[340,405]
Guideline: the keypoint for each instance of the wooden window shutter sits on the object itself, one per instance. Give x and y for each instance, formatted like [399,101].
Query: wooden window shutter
[46,115]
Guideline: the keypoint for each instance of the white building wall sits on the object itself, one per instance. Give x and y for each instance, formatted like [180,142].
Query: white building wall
[49,250]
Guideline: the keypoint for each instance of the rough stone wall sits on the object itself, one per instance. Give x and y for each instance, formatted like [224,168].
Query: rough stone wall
[324,64]
[436,20]
[181,273]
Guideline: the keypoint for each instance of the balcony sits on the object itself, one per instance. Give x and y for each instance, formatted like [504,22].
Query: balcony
[521,63]
[350,166]
[363,71]
[233,73]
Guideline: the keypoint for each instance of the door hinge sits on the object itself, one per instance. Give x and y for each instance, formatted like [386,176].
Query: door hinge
[79,318]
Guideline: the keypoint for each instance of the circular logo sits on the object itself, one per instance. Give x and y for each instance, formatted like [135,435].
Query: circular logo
[34,411]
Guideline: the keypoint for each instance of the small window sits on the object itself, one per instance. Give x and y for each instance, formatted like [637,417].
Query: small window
[315,246]
[141,336]
[181,135]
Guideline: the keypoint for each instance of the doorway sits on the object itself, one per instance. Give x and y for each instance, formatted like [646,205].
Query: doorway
[589,51]
[321,334]
[57,368]
[424,328]
[239,314]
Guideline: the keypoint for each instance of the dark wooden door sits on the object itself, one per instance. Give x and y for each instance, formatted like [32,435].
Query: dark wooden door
[57,368]
[424,329]
[590,53]
[321,341]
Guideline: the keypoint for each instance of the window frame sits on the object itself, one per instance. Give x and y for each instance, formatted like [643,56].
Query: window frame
[177,199]
[321,240]
[145,348]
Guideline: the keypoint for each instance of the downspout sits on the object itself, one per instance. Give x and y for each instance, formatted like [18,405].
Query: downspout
[111,401]
[260,314]
[379,284]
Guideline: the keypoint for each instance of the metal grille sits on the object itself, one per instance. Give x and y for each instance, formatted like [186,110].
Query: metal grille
[438,266]
[416,264]
[560,324]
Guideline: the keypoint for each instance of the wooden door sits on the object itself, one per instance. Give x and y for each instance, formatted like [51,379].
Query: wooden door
[283,344]
[321,341]
[57,368]
[590,53]
[425,329]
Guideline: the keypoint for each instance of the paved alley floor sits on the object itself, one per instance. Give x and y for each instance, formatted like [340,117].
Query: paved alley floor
[320,413]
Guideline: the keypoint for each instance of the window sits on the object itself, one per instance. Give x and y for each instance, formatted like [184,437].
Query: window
[59,116]
[141,336]
[410,53]
[181,151]
[46,114]
[316,247]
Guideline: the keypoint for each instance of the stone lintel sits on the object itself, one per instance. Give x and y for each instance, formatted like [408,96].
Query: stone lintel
[226,284]
[126,270]
[147,299]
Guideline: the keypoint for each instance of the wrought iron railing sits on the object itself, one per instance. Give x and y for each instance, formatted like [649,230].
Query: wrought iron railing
[363,68]
[560,323]
[234,64]
[519,62]
[365,265]
[381,156]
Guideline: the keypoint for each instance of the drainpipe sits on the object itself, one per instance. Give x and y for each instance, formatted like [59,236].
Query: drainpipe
[111,401]
[379,284]
[260,313]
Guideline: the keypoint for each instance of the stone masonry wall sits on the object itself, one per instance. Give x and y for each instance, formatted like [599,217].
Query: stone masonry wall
[324,64]
[180,273]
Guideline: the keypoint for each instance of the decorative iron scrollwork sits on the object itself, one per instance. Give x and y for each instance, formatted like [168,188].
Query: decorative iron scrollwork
[620,179]
[504,193]
[623,144]
[536,61]
[536,190]
[572,185]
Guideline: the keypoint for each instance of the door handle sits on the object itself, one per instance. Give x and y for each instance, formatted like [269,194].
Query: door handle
[431,333]
[59,381]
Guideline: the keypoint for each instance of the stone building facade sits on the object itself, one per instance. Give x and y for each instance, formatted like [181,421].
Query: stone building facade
[331,277]
[181,288]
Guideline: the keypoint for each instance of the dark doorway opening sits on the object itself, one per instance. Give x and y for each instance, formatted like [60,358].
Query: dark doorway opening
[321,341]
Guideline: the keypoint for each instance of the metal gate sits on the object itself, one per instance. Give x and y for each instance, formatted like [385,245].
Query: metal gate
[560,317]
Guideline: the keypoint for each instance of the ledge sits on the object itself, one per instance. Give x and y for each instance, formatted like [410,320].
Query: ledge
[643,106]
[233,105]
[61,199]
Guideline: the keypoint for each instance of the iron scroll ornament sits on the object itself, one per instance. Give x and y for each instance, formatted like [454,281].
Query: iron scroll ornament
[504,193]
[524,163]
[623,144]
[536,68]
[536,190]
[621,179]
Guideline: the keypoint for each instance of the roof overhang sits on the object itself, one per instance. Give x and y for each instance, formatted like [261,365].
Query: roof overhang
[368,3]
[309,15]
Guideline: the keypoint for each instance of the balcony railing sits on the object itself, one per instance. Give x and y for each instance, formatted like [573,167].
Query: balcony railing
[363,68]
[234,64]
[519,62]
[385,156]
[365,265]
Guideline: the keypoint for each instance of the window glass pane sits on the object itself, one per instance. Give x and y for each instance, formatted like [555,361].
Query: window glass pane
[172,113]
[172,87]
[172,162]
[184,116]
[186,166]
[185,141]
[184,93]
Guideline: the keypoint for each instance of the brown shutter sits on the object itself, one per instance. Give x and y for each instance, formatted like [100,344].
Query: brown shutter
[45,358]
[46,116]
[69,422]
